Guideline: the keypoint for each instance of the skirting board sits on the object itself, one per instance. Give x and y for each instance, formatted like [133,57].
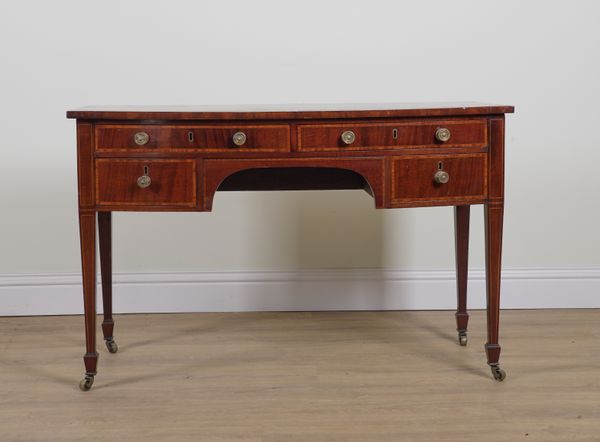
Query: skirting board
[333,289]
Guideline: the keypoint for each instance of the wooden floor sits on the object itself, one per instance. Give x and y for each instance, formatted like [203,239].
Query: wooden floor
[330,376]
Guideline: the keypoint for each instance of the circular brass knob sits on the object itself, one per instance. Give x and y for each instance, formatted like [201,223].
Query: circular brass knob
[442,134]
[348,137]
[141,138]
[144,181]
[239,138]
[441,177]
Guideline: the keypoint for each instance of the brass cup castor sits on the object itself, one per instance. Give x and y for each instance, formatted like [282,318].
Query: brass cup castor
[498,373]
[462,338]
[86,383]
[111,345]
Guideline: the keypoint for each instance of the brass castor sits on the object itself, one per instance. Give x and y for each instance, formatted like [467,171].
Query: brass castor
[111,345]
[462,338]
[498,373]
[87,382]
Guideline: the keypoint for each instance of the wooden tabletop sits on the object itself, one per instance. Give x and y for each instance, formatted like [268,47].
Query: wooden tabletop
[287,111]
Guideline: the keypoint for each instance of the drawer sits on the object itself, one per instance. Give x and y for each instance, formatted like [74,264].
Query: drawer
[215,138]
[402,134]
[146,182]
[422,179]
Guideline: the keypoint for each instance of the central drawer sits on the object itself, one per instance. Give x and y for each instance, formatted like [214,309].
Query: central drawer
[392,135]
[146,182]
[209,138]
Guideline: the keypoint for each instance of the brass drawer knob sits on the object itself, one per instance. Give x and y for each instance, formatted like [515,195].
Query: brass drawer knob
[141,138]
[441,177]
[348,137]
[442,134]
[239,138]
[144,181]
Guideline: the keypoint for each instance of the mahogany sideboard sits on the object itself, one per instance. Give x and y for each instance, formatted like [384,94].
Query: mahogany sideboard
[403,155]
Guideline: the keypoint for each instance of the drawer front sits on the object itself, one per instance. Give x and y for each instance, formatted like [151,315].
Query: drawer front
[213,138]
[414,179]
[465,133]
[146,182]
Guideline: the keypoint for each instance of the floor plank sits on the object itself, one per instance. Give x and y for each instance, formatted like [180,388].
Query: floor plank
[315,376]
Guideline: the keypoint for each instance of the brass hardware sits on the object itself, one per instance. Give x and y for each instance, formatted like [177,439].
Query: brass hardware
[441,177]
[141,138]
[395,134]
[239,138]
[348,137]
[191,136]
[442,134]
[144,181]
[462,338]
[497,372]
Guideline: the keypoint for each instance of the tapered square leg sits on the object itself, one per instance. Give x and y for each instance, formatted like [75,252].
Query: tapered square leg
[105,243]
[494,214]
[461,234]
[87,233]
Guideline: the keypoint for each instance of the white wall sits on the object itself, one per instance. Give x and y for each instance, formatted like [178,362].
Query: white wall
[541,56]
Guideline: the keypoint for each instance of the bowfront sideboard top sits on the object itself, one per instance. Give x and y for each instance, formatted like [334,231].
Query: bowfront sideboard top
[158,158]
[288,111]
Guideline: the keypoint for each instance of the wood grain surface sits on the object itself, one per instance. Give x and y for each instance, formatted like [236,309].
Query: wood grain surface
[173,182]
[370,168]
[413,179]
[392,135]
[305,377]
[206,138]
[296,111]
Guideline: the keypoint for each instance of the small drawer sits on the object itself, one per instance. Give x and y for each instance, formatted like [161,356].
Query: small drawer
[212,138]
[401,134]
[146,182]
[440,179]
